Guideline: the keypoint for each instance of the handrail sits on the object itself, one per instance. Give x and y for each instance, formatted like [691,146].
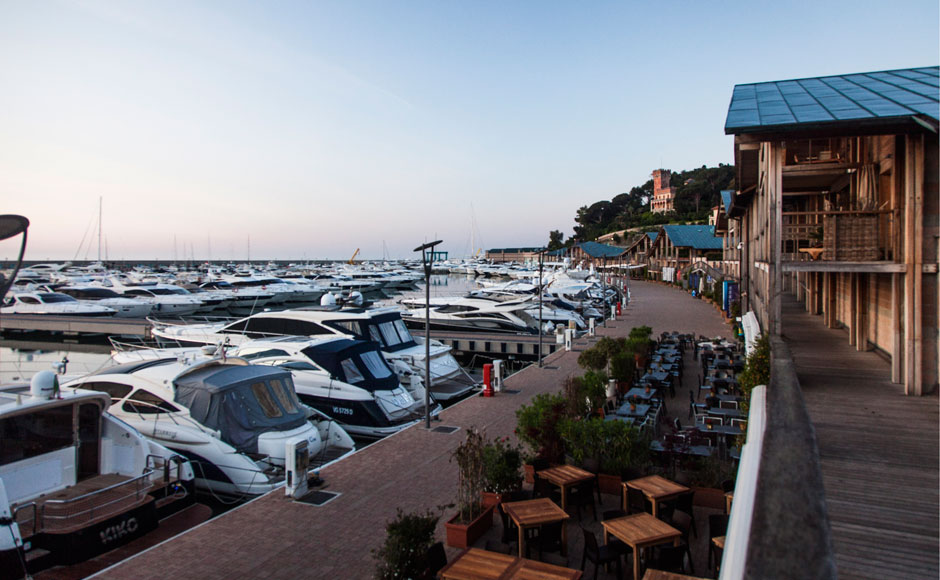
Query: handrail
[35,517]
[789,534]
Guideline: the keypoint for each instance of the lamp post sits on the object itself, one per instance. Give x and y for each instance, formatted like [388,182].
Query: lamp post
[427,256]
[541,286]
[12,225]
[604,289]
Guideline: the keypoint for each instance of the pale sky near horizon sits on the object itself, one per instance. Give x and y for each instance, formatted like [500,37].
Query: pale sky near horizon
[315,128]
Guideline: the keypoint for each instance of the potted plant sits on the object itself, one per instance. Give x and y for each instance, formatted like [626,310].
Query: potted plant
[706,475]
[502,472]
[538,427]
[639,344]
[408,538]
[472,519]
[584,439]
[624,452]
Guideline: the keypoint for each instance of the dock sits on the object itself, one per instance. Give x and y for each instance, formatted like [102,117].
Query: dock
[274,537]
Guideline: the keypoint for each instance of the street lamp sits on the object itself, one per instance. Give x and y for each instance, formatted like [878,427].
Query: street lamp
[427,256]
[541,285]
[12,225]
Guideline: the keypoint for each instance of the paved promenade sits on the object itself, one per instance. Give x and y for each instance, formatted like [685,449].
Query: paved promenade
[878,452]
[273,537]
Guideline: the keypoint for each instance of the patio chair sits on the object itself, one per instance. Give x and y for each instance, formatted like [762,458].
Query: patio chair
[728,405]
[717,526]
[594,466]
[668,558]
[582,495]
[599,555]
[636,501]
[545,538]
[437,559]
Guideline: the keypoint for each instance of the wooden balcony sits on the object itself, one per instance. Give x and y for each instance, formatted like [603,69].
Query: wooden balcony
[840,241]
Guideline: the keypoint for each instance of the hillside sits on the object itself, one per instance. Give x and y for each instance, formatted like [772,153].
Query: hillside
[697,191]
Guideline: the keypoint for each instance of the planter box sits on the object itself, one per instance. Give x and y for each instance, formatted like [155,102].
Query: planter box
[610,484]
[465,535]
[708,497]
[492,499]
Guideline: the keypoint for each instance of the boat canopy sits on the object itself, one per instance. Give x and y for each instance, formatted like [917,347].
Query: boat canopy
[387,329]
[241,402]
[357,362]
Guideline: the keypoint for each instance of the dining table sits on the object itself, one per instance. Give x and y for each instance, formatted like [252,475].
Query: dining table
[653,574]
[641,393]
[477,564]
[656,488]
[640,410]
[534,513]
[640,531]
[565,476]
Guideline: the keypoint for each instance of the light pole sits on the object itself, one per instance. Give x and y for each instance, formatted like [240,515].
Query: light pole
[427,256]
[541,286]
[12,225]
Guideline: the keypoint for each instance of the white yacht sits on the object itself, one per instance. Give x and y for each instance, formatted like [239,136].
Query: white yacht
[52,303]
[167,300]
[403,351]
[472,314]
[75,481]
[346,379]
[233,420]
[123,307]
[242,301]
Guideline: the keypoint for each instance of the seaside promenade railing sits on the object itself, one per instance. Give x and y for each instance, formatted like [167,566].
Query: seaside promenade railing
[779,525]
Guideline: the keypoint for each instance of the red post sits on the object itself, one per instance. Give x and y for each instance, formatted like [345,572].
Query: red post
[618,309]
[488,380]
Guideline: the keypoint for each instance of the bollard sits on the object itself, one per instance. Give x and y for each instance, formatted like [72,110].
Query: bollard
[619,309]
[497,375]
[591,330]
[568,337]
[488,380]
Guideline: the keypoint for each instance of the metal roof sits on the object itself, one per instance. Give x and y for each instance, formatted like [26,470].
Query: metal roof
[698,237]
[904,95]
[727,198]
[514,250]
[598,250]
[652,235]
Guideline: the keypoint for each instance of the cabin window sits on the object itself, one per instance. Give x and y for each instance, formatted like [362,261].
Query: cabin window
[376,364]
[375,335]
[403,331]
[389,334]
[147,403]
[28,300]
[37,433]
[263,395]
[285,395]
[251,354]
[115,390]
[294,365]
[351,372]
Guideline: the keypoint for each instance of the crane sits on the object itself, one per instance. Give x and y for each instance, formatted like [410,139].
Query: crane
[353,259]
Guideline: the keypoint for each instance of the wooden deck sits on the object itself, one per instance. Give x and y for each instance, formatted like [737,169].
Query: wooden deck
[878,450]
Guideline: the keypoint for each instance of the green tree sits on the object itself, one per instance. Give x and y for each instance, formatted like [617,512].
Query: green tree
[555,240]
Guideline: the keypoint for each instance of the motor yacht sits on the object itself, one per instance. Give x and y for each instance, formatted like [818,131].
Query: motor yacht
[51,303]
[123,307]
[403,351]
[167,299]
[75,481]
[471,314]
[233,420]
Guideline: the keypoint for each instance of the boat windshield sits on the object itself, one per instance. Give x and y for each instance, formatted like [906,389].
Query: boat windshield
[50,297]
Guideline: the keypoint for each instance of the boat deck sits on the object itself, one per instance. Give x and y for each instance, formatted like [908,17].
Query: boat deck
[84,506]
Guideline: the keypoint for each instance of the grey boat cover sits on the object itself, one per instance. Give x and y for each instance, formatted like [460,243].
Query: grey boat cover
[221,398]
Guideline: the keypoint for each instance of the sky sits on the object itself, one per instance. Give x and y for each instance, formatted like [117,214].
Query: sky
[228,130]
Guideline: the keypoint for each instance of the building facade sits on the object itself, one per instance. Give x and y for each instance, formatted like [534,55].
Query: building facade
[664,195]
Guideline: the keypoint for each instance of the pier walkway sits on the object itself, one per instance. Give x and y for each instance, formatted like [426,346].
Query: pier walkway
[273,537]
[878,452]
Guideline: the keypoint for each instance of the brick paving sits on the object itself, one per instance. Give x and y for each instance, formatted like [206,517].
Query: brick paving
[273,537]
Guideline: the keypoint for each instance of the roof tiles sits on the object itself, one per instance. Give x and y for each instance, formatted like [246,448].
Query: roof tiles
[859,97]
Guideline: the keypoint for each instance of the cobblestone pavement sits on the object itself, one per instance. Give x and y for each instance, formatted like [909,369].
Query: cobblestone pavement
[273,537]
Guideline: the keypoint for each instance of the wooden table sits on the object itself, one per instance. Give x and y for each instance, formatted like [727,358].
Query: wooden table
[476,564]
[565,476]
[655,488]
[640,531]
[660,575]
[532,513]
[729,497]
[719,542]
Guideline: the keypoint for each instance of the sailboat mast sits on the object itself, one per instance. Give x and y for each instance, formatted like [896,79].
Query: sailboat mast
[99,228]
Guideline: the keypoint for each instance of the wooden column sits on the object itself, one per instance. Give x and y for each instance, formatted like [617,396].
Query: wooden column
[860,324]
[913,259]
[897,328]
[776,227]
[853,309]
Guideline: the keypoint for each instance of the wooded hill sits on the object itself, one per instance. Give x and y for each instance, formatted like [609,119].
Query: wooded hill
[697,191]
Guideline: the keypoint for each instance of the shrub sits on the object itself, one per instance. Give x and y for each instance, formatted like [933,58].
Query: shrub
[501,466]
[470,476]
[408,537]
[538,426]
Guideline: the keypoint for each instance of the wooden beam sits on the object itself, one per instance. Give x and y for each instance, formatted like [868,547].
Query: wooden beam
[853,309]
[829,266]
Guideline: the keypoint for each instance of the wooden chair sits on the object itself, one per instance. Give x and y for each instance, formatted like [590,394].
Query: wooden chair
[599,555]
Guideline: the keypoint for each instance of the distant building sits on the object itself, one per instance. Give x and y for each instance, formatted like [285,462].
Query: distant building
[521,255]
[664,195]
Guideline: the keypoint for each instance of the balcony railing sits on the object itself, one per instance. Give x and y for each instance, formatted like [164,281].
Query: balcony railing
[839,236]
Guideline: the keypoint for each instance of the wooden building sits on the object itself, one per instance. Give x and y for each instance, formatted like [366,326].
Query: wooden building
[681,246]
[518,255]
[838,200]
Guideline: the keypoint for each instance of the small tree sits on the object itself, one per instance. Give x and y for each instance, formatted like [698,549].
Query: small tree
[471,476]
[408,538]
[502,465]
[538,426]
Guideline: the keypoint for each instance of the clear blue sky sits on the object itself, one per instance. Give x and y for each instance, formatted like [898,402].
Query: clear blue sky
[317,128]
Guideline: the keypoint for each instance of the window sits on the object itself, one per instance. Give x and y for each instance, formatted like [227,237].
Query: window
[352,374]
[389,334]
[52,297]
[403,331]
[285,395]
[147,403]
[255,353]
[376,364]
[265,399]
[28,300]
[115,390]
[36,433]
